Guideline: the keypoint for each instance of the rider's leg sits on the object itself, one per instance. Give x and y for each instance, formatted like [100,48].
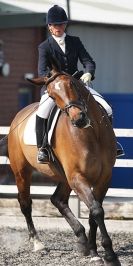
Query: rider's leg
[43,111]
[120,151]
[99,98]
[41,125]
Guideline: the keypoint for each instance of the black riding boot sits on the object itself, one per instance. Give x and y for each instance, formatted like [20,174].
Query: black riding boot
[120,151]
[41,135]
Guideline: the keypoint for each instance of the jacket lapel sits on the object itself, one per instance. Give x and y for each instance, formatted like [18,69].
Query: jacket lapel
[54,45]
[68,45]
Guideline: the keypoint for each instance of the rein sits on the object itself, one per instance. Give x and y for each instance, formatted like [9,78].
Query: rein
[54,77]
[32,111]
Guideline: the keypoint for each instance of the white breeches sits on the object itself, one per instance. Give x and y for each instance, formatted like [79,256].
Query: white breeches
[45,106]
[47,103]
[99,98]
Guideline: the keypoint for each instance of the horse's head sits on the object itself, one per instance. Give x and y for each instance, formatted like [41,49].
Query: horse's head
[63,88]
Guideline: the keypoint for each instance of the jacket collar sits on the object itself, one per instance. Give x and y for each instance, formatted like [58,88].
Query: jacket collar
[58,39]
[54,45]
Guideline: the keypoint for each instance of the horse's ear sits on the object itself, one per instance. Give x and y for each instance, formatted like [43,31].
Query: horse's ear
[38,81]
[55,64]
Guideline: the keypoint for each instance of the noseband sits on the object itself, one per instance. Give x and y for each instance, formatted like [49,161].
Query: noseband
[79,104]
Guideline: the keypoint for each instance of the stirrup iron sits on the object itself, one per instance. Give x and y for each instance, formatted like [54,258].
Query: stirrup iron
[120,150]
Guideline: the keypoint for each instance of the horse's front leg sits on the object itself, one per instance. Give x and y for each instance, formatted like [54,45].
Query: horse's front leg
[92,240]
[93,226]
[81,187]
[97,214]
[23,184]
[60,200]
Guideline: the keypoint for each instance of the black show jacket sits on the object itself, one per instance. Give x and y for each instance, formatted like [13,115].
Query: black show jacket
[74,51]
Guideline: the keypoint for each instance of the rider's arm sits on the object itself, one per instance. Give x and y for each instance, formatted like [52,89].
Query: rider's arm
[86,59]
[43,64]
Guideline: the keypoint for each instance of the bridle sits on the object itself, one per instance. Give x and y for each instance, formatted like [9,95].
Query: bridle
[80,103]
[77,104]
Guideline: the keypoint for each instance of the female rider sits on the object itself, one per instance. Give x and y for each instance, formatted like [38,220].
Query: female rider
[67,50]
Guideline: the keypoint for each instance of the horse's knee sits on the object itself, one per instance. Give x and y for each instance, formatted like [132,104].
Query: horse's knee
[62,206]
[97,211]
[55,201]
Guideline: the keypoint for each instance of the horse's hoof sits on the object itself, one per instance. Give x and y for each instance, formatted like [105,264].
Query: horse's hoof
[96,261]
[112,263]
[38,245]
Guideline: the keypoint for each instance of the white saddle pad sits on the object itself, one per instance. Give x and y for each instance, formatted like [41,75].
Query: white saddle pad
[30,132]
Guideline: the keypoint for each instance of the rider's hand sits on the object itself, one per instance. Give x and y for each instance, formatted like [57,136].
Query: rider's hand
[86,77]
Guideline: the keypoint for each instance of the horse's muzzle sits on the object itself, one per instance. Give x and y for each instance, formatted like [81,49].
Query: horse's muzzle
[82,120]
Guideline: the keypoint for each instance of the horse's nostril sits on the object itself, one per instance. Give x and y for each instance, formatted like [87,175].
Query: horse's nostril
[81,121]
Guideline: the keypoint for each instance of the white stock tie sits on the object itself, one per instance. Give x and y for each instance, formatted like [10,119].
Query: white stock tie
[61,42]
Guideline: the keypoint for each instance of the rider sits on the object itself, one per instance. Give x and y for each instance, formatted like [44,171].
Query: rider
[67,50]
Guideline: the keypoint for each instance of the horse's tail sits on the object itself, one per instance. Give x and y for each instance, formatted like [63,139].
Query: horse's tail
[4,146]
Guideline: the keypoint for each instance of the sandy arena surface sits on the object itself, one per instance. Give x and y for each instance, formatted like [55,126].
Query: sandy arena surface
[60,243]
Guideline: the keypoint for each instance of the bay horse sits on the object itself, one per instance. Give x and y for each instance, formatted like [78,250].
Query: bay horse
[85,147]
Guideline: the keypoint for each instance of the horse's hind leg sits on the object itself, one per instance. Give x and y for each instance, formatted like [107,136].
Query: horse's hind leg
[23,183]
[60,200]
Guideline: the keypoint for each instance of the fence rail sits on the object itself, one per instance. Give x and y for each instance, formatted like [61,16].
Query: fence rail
[120,132]
[46,191]
[113,196]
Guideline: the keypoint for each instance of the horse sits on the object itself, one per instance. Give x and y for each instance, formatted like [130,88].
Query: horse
[85,146]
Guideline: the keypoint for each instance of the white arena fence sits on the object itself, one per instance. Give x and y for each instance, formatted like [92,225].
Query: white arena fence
[47,191]
[119,132]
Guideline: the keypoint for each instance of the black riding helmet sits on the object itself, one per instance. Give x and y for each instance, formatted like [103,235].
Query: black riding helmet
[56,15]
